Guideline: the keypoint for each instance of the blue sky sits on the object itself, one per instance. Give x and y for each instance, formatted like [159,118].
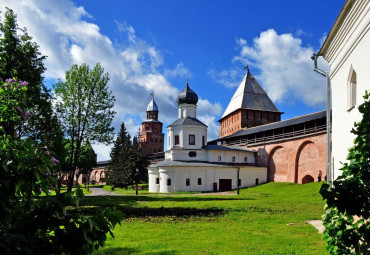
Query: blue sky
[151,46]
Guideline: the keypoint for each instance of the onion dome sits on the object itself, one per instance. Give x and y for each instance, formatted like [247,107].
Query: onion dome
[187,96]
[152,106]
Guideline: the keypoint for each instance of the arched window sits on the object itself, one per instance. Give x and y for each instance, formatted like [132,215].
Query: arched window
[199,181]
[219,158]
[233,159]
[351,89]
[245,159]
[187,182]
[157,181]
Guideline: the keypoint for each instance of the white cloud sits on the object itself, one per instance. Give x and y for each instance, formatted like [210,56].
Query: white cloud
[67,35]
[284,65]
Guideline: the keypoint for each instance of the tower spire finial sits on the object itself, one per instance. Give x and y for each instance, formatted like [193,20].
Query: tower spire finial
[187,78]
[152,94]
[246,68]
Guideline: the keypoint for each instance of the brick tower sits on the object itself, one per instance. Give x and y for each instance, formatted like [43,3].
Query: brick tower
[249,107]
[151,137]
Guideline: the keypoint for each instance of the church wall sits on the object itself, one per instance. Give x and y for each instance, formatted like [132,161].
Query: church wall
[208,176]
[291,160]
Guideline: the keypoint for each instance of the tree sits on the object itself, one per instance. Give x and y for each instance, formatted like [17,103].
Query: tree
[128,166]
[118,174]
[21,59]
[86,162]
[139,163]
[30,223]
[347,225]
[84,107]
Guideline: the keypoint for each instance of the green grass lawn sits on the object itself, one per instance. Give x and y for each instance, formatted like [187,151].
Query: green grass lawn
[267,219]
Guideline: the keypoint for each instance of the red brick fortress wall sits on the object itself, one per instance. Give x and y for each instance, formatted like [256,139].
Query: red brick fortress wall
[298,160]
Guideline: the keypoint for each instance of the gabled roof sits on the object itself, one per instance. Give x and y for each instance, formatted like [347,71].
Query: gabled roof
[250,95]
[187,121]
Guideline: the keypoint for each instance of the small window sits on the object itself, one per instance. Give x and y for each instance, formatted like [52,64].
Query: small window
[150,115]
[177,139]
[257,181]
[146,127]
[199,181]
[233,158]
[187,182]
[154,150]
[351,90]
[191,139]
[157,181]
[219,158]
[245,159]
[203,141]
[192,154]
[168,182]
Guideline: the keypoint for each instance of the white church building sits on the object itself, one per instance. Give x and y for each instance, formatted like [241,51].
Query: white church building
[347,50]
[192,165]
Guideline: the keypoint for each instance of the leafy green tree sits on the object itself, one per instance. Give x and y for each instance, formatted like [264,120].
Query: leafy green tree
[347,225]
[84,107]
[29,223]
[119,173]
[20,58]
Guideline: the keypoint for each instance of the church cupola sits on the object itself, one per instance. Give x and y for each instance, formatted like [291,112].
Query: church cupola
[152,110]
[187,103]
[187,96]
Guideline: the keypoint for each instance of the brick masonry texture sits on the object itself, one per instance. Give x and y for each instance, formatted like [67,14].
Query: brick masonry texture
[298,160]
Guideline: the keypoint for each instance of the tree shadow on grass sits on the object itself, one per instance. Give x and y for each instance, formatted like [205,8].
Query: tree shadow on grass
[117,251]
[133,200]
[125,251]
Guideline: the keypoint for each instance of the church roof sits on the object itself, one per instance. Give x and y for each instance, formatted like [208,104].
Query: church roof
[187,121]
[152,106]
[187,96]
[211,147]
[168,162]
[250,95]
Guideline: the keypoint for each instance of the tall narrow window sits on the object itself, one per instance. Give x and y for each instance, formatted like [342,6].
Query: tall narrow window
[245,159]
[191,139]
[233,158]
[177,139]
[156,180]
[199,181]
[168,182]
[351,89]
[187,182]
[219,158]
[203,141]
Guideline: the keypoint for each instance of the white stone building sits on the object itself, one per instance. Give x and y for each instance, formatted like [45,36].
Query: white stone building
[347,50]
[192,165]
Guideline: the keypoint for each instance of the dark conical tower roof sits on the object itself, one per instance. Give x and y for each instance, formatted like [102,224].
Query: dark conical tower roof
[250,95]
[187,96]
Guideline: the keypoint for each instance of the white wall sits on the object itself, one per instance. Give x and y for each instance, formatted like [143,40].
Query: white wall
[187,110]
[208,175]
[184,132]
[350,47]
